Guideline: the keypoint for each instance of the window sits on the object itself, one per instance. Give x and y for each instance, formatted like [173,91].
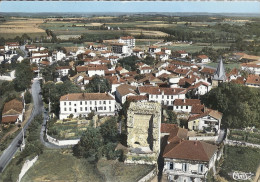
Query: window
[100,102]
[177,107]
[69,103]
[109,108]
[172,96]
[65,109]
[104,102]
[90,108]
[181,107]
[86,108]
[86,102]
[64,103]
[81,109]
[201,168]
[95,102]
[75,104]
[90,102]
[105,108]
[70,109]
[80,102]
[184,167]
[167,96]
[109,102]
[186,107]
[171,165]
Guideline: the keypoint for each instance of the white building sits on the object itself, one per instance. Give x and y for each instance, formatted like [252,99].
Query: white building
[187,160]
[63,70]
[58,56]
[203,58]
[251,68]
[11,45]
[120,48]
[124,90]
[97,70]
[165,96]
[129,41]
[208,121]
[84,103]
[184,105]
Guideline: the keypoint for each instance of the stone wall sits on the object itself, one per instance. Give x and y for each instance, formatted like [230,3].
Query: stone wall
[26,166]
[149,176]
[62,142]
[204,138]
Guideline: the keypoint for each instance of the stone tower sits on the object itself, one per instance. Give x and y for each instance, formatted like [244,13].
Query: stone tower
[219,75]
[143,127]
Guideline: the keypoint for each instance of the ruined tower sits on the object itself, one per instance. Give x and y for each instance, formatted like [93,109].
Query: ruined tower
[143,127]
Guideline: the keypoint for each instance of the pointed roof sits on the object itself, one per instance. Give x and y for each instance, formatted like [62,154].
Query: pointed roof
[220,72]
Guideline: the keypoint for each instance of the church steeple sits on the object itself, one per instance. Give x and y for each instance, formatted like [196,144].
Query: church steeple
[220,73]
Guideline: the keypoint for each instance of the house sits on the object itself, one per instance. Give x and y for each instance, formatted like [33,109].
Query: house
[10,54]
[233,74]
[129,41]
[208,121]
[187,160]
[252,68]
[58,56]
[207,72]
[119,48]
[96,70]
[166,128]
[13,112]
[139,53]
[154,49]
[124,90]
[166,96]
[84,103]
[199,88]
[253,81]
[145,69]
[136,98]
[184,105]
[115,81]
[31,48]
[11,45]
[203,59]
[181,54]
[162,56]
[166,51]
[106,53]
[63,70]
[38,56]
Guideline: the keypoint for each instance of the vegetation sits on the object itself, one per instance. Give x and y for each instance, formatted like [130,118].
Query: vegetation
[245,136]
[27,97]
[239,159]
[239,104]
[129,62]
[98,84]
[53,91]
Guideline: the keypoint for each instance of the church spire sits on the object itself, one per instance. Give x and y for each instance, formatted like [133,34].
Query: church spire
[220,73]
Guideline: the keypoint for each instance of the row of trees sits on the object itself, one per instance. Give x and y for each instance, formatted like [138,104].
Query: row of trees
[239,104]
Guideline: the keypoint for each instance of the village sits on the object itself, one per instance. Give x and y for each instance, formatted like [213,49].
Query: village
[157,98]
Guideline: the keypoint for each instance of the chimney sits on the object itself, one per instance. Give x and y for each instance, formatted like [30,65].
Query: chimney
[184,101]
[196,143]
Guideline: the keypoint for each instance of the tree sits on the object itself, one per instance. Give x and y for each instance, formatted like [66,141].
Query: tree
[27,97]
[90,145]
[129,63]
[24,75]
[109,130]
[239,104]
[98,84]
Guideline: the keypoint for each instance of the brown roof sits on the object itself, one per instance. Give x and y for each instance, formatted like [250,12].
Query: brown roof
[197,109]
[166,128]
[86,96]
[253,79]
[126,38]
[125,89]
[203,56]
[146,68]
[12,43]
[186,102]
[207,112]
[158,90]
[177,134]
[181,52]
[63,67]
[190,150]
[239,80]
[81,68]
[9,119]
[198,84]
[13,106]
[209,71]
[136,97]
[181,71]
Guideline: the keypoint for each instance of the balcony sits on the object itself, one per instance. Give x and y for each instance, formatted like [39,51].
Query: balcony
[190,173]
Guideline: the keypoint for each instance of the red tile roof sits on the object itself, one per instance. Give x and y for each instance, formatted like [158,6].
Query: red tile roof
[136,98]
[13,106]
[86,96]
[207,112]
[190,150]
[253,79]
[166,128]
[177,134]
[158,90]
[186,102]
[126,89]
[9,119]
[202,56]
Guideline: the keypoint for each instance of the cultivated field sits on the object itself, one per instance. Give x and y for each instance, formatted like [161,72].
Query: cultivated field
[17,26]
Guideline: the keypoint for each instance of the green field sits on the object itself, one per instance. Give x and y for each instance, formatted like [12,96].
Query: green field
[226,65]
[239,159]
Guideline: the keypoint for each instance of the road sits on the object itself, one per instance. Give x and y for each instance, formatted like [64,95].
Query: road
[8,154]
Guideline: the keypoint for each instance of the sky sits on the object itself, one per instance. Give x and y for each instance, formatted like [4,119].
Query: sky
[131,6]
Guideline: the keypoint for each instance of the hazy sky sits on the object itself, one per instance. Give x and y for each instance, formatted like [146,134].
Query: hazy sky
[134,6]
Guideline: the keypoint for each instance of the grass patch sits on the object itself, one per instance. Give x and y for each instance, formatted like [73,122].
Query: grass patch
[226,65]
[118,171]
[239,159]
[61,165]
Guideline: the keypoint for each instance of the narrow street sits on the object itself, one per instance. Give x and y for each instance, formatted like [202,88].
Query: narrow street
[8,154]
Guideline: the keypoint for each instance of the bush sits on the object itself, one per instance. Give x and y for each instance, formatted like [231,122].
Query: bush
[27,97]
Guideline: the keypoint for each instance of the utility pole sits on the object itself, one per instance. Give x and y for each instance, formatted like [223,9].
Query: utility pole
[49,102]
[23,142]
